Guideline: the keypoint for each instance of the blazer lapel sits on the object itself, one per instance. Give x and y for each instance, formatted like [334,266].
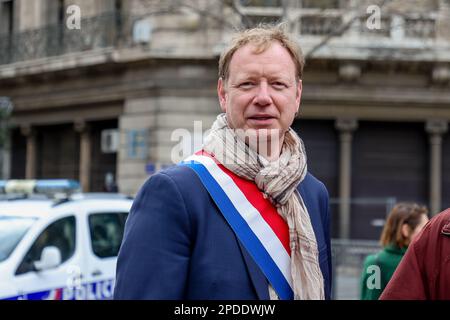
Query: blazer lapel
[259,280]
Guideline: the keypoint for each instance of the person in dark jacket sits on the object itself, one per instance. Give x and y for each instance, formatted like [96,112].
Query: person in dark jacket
[240,219]
[424,272]
[403,224]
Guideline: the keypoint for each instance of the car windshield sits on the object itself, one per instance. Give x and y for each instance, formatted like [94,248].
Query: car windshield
[12,230]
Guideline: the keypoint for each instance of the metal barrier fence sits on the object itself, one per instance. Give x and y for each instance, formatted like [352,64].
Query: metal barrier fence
[365,220]
[348,258]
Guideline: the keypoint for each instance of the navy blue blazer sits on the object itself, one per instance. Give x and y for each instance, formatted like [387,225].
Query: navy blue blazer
[177,244]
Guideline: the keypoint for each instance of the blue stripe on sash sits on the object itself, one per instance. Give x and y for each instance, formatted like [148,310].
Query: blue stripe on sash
[243,231]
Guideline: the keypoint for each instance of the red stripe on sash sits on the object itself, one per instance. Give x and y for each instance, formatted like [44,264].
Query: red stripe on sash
[264,206]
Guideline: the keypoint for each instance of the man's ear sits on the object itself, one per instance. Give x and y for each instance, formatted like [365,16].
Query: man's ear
[221,92]
[299,93]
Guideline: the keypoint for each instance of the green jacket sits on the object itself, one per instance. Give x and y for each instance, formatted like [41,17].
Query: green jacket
[373,279]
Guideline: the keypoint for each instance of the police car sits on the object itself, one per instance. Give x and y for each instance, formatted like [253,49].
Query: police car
[58,247]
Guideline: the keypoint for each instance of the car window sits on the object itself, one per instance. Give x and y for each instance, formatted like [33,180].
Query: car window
[60,234]
[12,230]
[106,231]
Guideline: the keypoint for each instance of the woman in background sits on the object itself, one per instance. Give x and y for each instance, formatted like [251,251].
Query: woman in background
[404,222]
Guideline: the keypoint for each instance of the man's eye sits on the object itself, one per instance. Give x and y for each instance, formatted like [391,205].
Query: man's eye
[279,85]
[247,85]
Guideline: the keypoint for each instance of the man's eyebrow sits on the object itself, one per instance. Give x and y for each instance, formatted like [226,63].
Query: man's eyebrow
[245,73]
[249,74]
[280,76]
[242,77]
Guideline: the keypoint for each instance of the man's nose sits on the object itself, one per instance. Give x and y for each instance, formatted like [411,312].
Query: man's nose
[262,97]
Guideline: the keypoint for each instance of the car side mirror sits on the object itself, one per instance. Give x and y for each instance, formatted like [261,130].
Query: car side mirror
[50,258]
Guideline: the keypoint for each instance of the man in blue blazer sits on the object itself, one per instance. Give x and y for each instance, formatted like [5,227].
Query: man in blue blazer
[179,242]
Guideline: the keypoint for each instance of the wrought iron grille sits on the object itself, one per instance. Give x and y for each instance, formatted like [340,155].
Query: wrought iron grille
[320,25]
[95,32]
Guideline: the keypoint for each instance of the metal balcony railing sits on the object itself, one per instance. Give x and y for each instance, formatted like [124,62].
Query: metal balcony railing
[313,19]
[261,3]
[95,32]
[324,17]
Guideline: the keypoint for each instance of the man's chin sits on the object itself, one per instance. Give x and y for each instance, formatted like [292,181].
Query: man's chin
[267,123]
[263,141]
[260,134]
[263,131]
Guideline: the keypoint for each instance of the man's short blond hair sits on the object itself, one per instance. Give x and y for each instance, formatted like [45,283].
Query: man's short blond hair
[261,38]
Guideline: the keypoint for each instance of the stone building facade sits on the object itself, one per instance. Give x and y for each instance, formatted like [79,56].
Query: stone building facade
[374,111]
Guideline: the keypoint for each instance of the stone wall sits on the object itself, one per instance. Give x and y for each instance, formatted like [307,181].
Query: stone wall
[178,105]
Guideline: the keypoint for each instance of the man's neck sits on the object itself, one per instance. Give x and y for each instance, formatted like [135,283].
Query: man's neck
[266,142]
[269,148]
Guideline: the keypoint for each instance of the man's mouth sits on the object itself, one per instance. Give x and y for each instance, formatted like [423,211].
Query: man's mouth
[261,121]
[261,117]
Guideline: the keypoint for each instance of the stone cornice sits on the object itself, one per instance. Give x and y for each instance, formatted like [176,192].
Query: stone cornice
[95,58]
[378,95]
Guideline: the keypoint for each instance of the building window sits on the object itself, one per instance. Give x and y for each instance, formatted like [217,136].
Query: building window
[61,12]
[424,28]
[118,6]
[6,17]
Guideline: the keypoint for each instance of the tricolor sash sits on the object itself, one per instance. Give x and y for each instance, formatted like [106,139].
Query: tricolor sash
[253,218]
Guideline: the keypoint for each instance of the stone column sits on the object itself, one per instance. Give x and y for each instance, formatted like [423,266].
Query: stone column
[30,167]
[5,154]
[346,128]
[85,154]
[443,22]
[435,130]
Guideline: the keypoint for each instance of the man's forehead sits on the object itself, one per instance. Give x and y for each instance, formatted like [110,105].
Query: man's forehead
[274,59]
[250,50]
[254,70]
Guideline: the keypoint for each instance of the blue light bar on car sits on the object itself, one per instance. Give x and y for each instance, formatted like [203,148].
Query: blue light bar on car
[50,186]
[58,185]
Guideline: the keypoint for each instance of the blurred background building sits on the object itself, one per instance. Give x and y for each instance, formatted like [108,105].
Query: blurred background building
[101,98]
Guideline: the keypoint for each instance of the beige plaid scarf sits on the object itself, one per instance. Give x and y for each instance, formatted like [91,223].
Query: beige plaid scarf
[278,180]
